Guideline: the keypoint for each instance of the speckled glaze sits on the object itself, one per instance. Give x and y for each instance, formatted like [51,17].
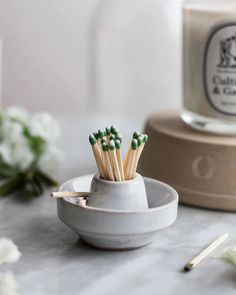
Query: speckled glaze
[118,229]
[121,195]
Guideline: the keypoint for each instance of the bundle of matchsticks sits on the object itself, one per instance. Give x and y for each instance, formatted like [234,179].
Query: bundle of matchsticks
[106,145]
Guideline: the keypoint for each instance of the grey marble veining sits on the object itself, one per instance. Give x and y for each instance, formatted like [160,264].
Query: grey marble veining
[55,261]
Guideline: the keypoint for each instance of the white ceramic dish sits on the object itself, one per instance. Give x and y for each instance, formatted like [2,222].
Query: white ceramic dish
[118,229]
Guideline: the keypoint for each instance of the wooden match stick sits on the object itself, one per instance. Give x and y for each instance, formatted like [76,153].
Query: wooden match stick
[136,157]
[107,161]
[206,252]
[136,134]
[101,135]
[126,161]
[97,156]
[145,139]
[119,158]
[115,131]
[113,128]
[114,161]
[142,139]
[108,133]
[59,195]
[111,137]
[95,134]
[119,137]
[128,171]
[127,158]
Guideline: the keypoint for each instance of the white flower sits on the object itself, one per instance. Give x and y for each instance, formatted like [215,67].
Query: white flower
[9,252]
[17,154]
[5,153]
[229,253]
[11,131]
[45,126]
[51,159]
[17,112]
[8,284]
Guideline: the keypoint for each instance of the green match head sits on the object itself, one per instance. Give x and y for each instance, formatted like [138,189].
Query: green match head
[92,139]
[108,131]
[112,128]
[134,144]
[119,136]
[118,144]
[112,137]
[104,139]
[104,146]
[140,140]
[115,131]
[101,133]
[145,138]
[136,134]
[95,134]
[112,145]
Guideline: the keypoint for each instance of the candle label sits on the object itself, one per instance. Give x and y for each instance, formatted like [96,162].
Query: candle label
[220,69]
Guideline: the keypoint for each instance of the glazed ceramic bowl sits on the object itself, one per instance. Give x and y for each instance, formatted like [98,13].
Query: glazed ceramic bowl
[118,229]
[121,195]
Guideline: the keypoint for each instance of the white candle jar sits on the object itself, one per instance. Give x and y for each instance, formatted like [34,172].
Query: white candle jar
[209,65]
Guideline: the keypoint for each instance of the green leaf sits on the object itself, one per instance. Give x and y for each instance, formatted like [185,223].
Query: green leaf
[9,186]
[38,182]
[47,179]
[37,143]
[38,190]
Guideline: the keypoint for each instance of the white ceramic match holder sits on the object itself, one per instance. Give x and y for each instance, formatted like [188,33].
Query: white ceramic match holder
[120,195]
[118,215]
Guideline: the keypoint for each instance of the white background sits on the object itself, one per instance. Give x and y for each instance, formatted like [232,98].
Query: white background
[118,56]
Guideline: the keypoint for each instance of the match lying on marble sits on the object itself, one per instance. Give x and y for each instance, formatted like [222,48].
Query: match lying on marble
[106,145]
[206,252]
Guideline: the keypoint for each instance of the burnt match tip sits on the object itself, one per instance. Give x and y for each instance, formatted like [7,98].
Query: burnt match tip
[187,267]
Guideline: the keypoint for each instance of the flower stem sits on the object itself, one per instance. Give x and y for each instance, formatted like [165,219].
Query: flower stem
[9,186]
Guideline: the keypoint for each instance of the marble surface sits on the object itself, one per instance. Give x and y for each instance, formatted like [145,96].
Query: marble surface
[55,261]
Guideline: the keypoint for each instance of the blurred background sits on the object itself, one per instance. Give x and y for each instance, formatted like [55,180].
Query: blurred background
[93,56]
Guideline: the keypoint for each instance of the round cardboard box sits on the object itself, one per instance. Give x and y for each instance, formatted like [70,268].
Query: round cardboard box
[200,166]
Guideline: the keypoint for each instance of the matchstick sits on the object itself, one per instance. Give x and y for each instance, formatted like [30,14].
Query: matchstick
[115,131]
[107,161]
[119,158]
[206,252]
[95,134]
[112,137]
[103,139]
[97,156]
[114,161]
[126,161]
[119,136]
[101,135]
[136,134]
[134,145]
[113,127]
[66,194]
[108,133]
[145,139]
[136,157]
[142,139]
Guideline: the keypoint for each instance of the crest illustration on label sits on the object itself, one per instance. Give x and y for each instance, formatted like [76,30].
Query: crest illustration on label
[220,69]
